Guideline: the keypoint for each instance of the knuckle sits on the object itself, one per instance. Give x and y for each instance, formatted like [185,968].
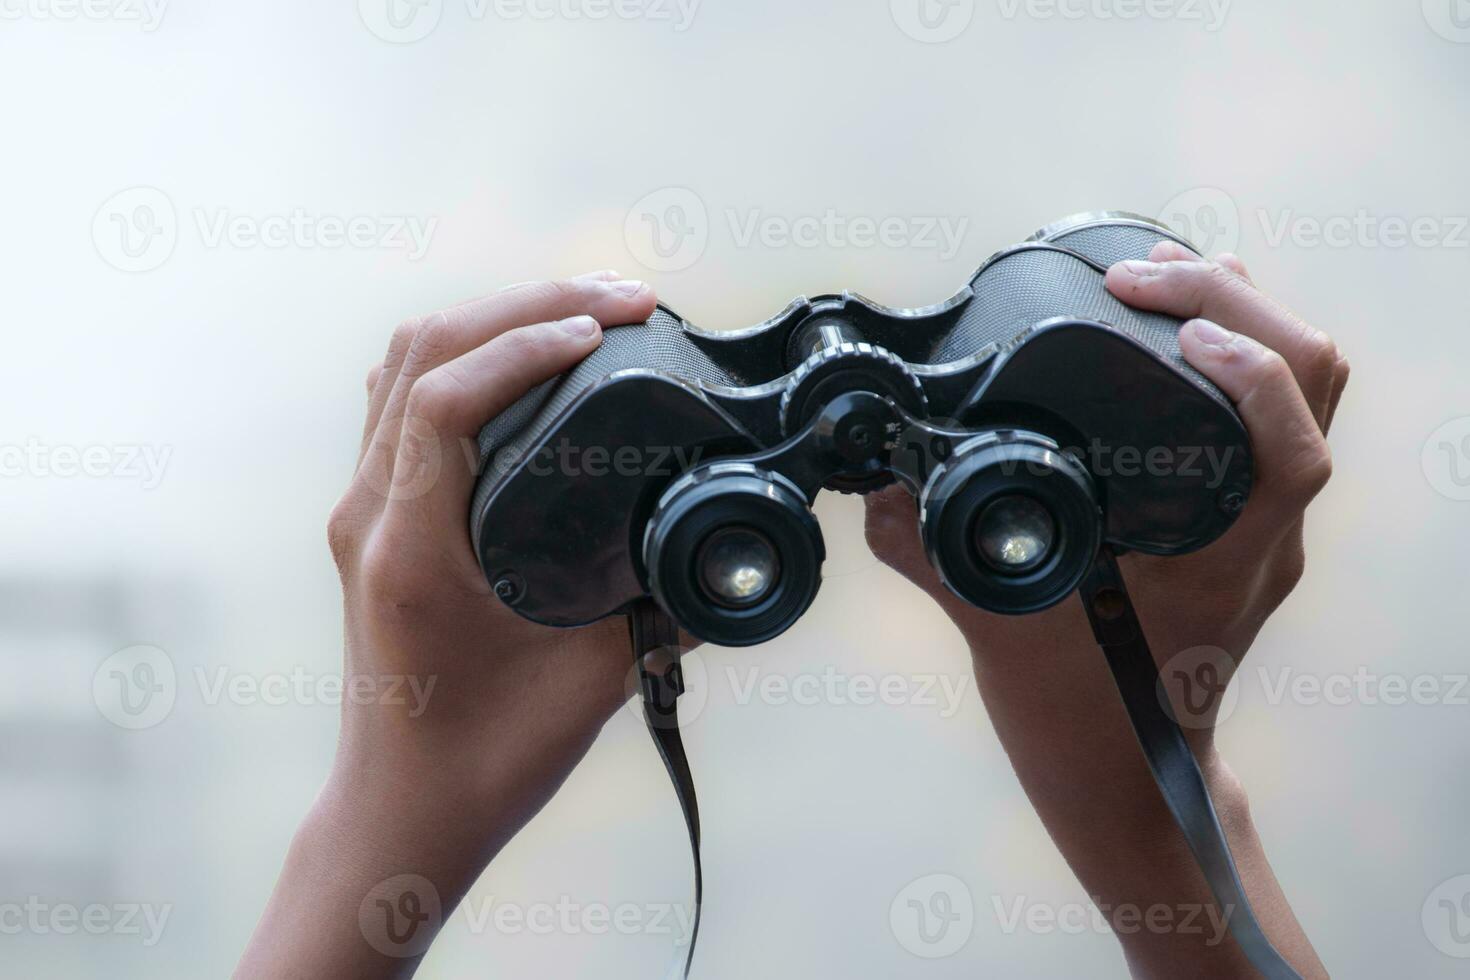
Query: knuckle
[1320,354]
[433,399]
[343,530]
[402,339]
[1272,365]
[433,342]
[1218,280]
[554,296]
[1313,471]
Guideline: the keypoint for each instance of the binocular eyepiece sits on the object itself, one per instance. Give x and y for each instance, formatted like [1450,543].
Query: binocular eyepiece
[734,553]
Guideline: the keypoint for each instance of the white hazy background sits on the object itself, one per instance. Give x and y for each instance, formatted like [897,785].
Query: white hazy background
[529,142]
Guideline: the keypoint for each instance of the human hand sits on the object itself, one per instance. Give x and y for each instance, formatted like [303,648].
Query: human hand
[1043,679]
[479,715]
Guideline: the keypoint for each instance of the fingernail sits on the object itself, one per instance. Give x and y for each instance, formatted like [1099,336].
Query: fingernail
[1138,267]
[580,327]
[628,287]
[1208,332]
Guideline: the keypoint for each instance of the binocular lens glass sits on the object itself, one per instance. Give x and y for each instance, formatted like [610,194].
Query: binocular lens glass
[738,566]
[1015,534]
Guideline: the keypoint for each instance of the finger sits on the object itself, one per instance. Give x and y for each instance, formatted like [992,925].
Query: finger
[891,526]
[1340,376]
[398,346]
[602,275]
[1232,262]
[443,336]
[373,374]
[1292,461]
[432,475]
[1169,250]
[1204,289]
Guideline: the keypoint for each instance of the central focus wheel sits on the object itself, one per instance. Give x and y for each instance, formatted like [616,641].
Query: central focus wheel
[841,368]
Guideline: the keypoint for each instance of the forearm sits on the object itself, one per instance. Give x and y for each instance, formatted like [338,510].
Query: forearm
[1080,764]
[368,881]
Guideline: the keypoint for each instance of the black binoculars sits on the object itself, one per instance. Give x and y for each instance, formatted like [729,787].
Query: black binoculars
[1034,416]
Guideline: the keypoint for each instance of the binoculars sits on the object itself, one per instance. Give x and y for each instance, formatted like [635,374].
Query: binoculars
[1033,415]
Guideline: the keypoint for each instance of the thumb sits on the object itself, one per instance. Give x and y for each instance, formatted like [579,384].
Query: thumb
[1292,460]
[891,526]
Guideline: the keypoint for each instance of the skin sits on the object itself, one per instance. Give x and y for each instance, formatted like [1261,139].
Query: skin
[423,794]
[1045,685]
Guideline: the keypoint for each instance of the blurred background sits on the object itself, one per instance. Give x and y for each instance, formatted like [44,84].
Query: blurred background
[214,214]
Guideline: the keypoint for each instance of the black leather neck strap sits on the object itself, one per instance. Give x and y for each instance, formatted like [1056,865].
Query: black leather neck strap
[656,653]
[1171,760]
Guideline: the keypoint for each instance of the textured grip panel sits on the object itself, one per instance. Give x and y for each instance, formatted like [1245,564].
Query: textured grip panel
[1109,243]
[660,343]
[1019,289]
